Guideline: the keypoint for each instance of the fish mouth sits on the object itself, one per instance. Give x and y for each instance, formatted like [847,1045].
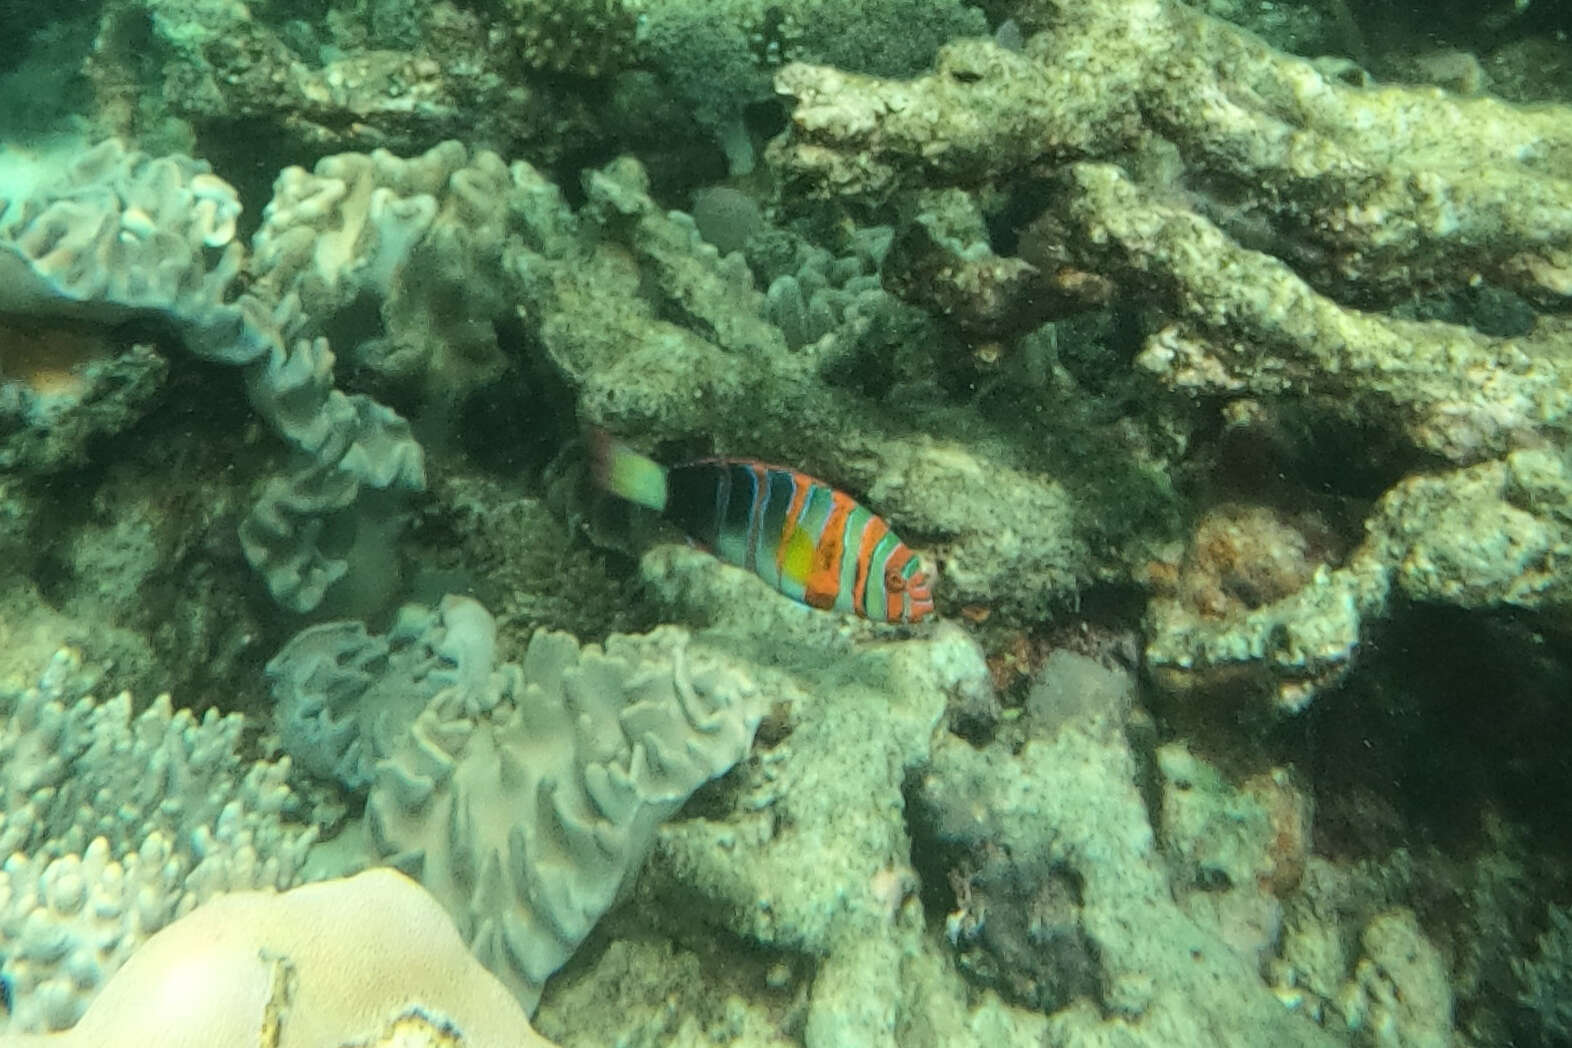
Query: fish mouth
[919,597]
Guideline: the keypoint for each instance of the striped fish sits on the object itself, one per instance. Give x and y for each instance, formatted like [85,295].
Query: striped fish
[813,543]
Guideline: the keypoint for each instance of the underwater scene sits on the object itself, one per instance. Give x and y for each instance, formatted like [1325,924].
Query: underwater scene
[769,523]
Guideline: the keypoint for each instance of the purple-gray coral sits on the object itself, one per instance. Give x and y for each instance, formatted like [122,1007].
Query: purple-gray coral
[524,796]
[114,234]
[345,698]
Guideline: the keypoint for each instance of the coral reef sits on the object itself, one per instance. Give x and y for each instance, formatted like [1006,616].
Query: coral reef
[156,61]
[1545,977]
[1225,387]
[322,964]
[810,854]
[63,389]
[1374,190]
[354,76]
[345,698]
[1011,533]
[1477,537]
[1066,809]
[1399,994]
[718,57]
[420,241]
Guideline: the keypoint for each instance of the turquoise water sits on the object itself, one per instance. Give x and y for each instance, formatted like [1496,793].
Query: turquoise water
[1212,357]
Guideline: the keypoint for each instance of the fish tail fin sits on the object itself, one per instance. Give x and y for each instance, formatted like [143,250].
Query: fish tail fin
[625,473]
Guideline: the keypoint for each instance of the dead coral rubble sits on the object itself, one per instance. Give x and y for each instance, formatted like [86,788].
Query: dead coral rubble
[1263,214]
[1378,189]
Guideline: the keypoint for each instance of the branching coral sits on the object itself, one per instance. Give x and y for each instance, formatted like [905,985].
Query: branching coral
[1377,190]
[1239,321]
[114,826]
[599,285]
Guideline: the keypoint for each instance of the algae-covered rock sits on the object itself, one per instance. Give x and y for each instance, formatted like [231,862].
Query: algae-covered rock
[1067,806]
[1399,995]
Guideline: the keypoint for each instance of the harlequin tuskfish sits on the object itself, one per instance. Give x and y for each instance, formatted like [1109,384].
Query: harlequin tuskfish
[813,543]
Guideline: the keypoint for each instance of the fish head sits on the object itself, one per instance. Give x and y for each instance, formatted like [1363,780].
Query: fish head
[908,586]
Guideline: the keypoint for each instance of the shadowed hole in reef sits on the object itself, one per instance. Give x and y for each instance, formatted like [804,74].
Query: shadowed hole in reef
[249,153]
[1452,718]
[1014,920]
[1026,201]
[1293,452]
[350,327]
[517,424]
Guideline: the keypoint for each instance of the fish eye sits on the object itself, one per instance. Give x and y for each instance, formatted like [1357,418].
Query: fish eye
[894,582]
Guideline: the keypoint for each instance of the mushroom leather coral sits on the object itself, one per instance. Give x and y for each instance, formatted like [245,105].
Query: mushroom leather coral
[365,960]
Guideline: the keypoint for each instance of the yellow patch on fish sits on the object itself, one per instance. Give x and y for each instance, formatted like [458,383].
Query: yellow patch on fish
[797,556]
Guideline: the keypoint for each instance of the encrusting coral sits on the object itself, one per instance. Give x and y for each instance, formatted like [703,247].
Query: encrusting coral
[1066,807]
[369,960]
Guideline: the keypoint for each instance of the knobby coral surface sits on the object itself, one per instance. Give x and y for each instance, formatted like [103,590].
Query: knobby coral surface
[113,827]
